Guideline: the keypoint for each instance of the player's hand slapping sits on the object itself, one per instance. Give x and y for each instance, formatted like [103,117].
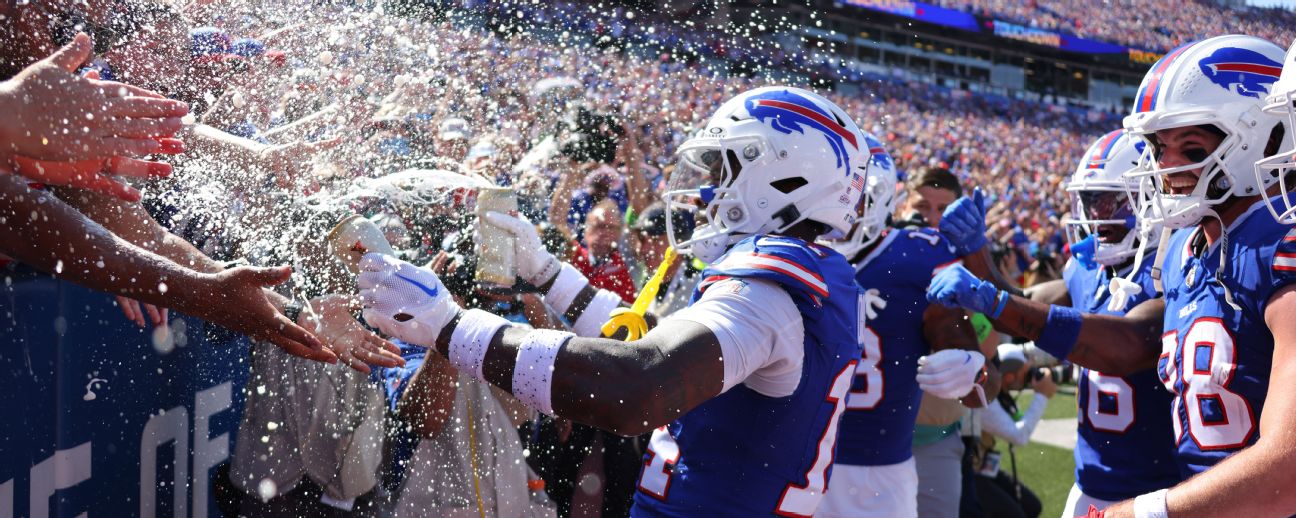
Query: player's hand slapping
[403,300]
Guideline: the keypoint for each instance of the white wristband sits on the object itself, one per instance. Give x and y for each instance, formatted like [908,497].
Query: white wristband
[590,323]
[533,373]
[471,338]
[566,286]
[1151,505]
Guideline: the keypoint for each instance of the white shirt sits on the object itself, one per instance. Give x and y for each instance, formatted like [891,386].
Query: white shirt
[996,421]
[762,337]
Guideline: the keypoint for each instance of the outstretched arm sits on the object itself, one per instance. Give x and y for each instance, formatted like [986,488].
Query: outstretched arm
[1109,344]
[627,388]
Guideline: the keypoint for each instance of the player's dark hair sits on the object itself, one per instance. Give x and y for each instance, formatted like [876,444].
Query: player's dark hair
[937,177]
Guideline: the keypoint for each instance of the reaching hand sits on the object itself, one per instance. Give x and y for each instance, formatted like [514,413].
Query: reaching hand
[53,114]
[955,286]
[135,312]
[291,161]
[534,263]
[236,298]
[403,300]
[963,223]
[97,175]
[950,373]
[331,320]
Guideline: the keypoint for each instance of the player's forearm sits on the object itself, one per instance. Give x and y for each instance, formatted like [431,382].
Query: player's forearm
[1254,482]
[627,389]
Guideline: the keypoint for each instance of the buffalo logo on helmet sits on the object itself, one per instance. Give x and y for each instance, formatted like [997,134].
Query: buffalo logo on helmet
[1245,72]
[788,112]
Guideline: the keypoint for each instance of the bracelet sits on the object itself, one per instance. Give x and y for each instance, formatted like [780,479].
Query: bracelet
[1001,303]
[1152,505]
[590,322]
[1061,331]
[470,339]
[533,372]
[566,286]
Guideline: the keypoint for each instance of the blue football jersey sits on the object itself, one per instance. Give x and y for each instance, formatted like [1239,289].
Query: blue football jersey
[1216,357]
[878,427]
[746,454]
[1125,446]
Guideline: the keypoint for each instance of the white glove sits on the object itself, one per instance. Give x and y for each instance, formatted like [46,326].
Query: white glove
[534,264]
[949,374]
[873,302]
[403,300]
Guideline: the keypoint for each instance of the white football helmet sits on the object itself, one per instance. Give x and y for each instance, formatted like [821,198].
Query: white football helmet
[877,204]
[1101,194]
[1219,82]
[768,159]
[1281,102]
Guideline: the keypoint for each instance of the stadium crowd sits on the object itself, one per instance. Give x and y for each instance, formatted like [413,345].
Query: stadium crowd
[1142,25]
[215,143]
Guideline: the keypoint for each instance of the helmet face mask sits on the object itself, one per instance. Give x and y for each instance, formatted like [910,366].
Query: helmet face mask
[1102,207]
[1277,168]
[767,160]
[1217,82]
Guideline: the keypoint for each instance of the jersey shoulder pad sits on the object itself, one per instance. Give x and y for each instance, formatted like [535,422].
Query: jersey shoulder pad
[793,263]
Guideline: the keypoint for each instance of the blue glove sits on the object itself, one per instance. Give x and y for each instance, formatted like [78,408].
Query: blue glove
[963,223]
[956,287]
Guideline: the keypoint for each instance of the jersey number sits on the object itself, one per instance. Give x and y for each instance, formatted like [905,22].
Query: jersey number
[803,499]
[1218,419]
[1111,403]
[869,370]
[663,453]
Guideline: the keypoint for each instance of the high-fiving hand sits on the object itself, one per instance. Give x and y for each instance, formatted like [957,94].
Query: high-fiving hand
[403,300]
[58,115]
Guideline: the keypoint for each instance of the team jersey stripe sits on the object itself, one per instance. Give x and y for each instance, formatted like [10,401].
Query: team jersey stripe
[778,264]
[1284,262]
[816,116]
[1148,95]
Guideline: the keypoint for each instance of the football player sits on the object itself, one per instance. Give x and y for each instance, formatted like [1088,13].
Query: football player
[743,389]
[875,473]
[1223,329]
[1125,445]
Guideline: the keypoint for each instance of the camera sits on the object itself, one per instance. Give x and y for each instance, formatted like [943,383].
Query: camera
[1038,374]
[590,136]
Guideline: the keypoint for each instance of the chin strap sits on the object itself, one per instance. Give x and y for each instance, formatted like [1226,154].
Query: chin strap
[1123,290]
[1223,263]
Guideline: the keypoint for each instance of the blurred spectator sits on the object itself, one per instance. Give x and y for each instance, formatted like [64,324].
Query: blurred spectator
[650,241]
[930,192]
[599,258]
